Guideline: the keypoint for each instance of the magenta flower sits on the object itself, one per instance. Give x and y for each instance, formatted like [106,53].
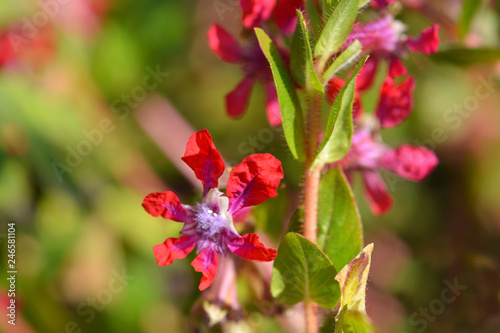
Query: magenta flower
[381,4]
[256,13]
[368,155]
[384,38]
[209,224]
[256,69]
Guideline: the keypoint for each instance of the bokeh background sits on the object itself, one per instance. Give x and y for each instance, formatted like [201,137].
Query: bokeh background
[84,243]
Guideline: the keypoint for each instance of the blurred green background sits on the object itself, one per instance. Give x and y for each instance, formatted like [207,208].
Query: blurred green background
[84,243]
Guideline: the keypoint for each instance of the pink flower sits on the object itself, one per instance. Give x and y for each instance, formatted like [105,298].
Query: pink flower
[209,224]
[368,155]
[384,38]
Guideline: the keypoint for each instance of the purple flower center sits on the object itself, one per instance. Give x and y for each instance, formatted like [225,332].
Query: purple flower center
[210,222]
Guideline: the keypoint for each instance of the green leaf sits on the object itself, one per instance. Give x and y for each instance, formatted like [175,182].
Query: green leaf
[296,224]
[329,7]
[314,18]
[336,29]
[302,272]
[291,112]
[466,56]
[301,59]
[353,322]
[362,3]
[340,233]
[338,132]
[345,60]
[353,278]
[469,10]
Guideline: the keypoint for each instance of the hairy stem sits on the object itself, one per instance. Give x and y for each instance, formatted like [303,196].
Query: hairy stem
[311,203]
[312,324]
[312,178]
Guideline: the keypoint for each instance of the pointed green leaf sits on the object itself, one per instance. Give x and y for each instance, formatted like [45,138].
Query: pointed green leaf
[291,112]
[314,18]
[353,278]
[301,59]
[336,29]
[329,7]
[302,272]
[340,233]
[362,3]
[464,56]
[345,60]
[469,10]
[338,132]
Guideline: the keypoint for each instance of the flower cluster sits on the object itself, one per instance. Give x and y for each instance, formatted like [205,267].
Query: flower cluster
[383,40]
[256,13]
[209,223]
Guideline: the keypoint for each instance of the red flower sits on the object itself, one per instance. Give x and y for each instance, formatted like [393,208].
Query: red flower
[368,155]
[19,50]
[209,224]
[332,90]
[254,64]
[256,11]
[427,42]
[256,67]
[396,102]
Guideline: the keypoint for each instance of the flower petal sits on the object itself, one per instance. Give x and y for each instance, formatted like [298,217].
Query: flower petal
[396,67]
[248,247]
[411,162]
[285,14]
[427,42]
[223,44]
[205,160]
[272,105]
[207,262]
[237,100]
[173,248]
[396,102]
[376,193]
[253,181]
[166,204]
[256,11]
[242,215]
